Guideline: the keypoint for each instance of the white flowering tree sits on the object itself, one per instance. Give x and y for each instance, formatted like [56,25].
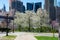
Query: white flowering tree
[40,14]
[19,20]
[44,17]
[31,19]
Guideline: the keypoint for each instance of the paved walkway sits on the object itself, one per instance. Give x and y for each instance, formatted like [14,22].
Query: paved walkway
[25,37]
[28,35]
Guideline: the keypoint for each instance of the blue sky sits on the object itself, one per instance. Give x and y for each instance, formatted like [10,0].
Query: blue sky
[6,2]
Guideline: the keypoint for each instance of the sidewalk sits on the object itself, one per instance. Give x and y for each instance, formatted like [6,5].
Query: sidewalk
[28,35]
[25,37]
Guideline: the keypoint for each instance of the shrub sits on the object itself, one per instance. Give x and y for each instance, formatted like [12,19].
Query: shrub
[41,29]
[5,29]
[47,29]
[24,29]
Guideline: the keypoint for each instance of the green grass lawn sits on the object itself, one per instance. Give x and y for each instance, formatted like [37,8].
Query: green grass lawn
[45,38]
[10,37]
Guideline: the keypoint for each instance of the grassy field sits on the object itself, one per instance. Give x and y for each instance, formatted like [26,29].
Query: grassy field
[45,38]
[10,37]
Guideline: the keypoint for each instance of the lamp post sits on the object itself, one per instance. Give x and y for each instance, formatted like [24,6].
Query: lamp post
[7,26]
[7,17]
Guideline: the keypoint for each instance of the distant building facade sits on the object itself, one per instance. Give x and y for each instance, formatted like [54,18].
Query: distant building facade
[50,8]
[58,12]
[17,5]
[38,5]
[34,6]
[30,6]
[49,3]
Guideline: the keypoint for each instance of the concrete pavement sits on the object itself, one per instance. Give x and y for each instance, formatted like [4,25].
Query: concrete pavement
[28,35]
[25,37]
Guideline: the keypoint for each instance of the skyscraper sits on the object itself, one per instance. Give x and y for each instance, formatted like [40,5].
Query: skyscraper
[17,5]
[50,8]
[23,9]
[4,8]
[58,12]
[46,6]
[38,5]
[49,3]
[10,4]
[34,6]
[30,6]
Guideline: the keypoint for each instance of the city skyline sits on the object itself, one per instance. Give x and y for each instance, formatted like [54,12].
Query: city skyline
[6,2]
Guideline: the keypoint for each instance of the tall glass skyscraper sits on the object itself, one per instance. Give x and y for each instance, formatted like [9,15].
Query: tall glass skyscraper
[34,6]
[16,5]
[50,8]
[30,6]
[38,5]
